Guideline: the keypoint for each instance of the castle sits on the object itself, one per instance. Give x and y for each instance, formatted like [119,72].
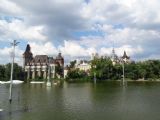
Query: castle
[115,59]
[38,66]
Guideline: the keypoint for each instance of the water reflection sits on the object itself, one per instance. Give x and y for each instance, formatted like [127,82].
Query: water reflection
[81,101]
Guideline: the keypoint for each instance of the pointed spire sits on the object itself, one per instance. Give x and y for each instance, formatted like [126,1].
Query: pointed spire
[113,51]
[27,55]
[125,55]
[28,48]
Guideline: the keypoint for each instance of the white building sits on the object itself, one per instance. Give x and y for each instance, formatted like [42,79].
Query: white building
[83,65]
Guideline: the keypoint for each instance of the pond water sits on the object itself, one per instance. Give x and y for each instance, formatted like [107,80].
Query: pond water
[81,101]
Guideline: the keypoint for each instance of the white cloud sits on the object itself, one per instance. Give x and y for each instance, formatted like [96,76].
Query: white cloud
[72,49]
[131,51]
[9,7]
[18,30]
[43,48]
[59,17]
[132,25]
[5,54]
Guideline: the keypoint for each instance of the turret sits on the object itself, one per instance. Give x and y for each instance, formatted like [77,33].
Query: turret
[114,57]
[27,55]
[60,60]
[125,57]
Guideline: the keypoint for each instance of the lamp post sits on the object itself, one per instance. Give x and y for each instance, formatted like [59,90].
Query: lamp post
[123,67]
[123,83]
[95,80]
[15,43]
[49,73]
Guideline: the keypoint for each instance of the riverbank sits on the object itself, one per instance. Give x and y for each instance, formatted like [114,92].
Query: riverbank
[127,80]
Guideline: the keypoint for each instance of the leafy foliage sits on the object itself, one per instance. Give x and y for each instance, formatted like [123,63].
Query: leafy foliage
[103,69]
[76,74]
[59,70]
[72,64]
[6,69]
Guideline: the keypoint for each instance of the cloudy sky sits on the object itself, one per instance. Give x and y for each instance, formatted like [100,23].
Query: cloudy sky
[79,28]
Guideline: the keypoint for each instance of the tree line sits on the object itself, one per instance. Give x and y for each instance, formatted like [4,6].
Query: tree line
[5,72]
[103,69]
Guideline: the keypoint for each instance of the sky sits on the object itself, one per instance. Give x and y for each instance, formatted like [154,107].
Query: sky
[78,28]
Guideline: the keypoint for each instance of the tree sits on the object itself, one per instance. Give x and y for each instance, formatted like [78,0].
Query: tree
[105,70]
[76,74]
[5,71]
[59,70]
[2,72]
[72,64]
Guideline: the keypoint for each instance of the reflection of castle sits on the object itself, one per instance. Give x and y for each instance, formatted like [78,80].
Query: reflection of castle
[37,67]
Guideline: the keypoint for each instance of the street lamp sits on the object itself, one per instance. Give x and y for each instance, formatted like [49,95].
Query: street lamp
[123,80]
[49,73]
[95,75]
[15,43]
[123,73]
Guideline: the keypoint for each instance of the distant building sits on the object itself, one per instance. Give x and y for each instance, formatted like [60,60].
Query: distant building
[37,67]
[83,65]
[126,58]
[114,58]
[66,69]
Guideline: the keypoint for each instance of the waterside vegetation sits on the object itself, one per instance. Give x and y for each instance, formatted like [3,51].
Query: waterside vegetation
[103,69]
[5,71]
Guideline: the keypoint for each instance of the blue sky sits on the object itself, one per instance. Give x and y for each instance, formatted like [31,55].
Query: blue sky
[79,28]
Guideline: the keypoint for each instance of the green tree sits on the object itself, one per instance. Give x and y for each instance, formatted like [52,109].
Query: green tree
[76,74]
[5,72]
[59,70]
[72,64]
[2,72]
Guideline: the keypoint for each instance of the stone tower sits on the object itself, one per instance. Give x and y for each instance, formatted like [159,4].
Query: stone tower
[60,60]
[125,57]
[27,55]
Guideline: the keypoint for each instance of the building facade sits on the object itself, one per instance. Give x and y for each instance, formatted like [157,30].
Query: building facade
[38,66]
[83,65]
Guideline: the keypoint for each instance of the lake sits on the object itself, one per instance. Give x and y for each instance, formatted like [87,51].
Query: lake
[82,101]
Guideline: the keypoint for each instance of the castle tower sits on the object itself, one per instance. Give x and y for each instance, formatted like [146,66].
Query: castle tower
[114,57]
[125,57]
[60,60]
[27,55]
